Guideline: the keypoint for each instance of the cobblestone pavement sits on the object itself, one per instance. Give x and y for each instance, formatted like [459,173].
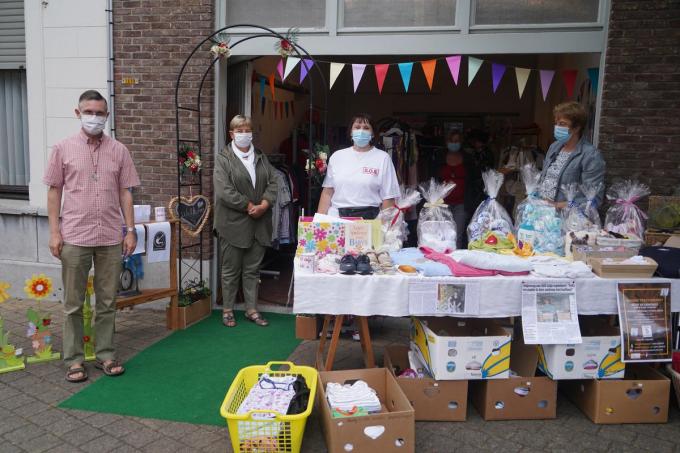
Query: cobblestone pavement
[30,420]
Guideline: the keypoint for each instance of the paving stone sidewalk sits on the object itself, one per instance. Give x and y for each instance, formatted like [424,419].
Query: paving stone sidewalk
[31,422]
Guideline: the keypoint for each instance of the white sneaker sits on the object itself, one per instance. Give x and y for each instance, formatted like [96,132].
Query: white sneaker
[355,336]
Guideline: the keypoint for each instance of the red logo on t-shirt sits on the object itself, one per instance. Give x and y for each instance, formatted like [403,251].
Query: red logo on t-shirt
[370,171]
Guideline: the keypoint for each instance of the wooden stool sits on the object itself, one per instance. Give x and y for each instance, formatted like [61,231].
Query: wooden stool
[365,338]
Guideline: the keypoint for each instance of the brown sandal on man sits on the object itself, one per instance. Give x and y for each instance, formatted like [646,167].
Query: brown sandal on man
[107,368]
[228,319]
[72,372]
[257,319]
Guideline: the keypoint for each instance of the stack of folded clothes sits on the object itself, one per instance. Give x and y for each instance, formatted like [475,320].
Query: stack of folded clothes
[352,399]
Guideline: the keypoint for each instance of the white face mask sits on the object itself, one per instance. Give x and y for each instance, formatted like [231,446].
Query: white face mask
[93,124]
[243,139]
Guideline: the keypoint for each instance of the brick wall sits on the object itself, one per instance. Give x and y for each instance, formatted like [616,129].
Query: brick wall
[152,39]
[640,122]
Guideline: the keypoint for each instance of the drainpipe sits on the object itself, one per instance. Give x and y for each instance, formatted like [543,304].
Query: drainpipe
[110,79]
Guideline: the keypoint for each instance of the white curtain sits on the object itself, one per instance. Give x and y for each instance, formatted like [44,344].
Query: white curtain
[13,128]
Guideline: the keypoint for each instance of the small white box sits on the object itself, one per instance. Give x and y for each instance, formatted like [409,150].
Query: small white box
[598,357]
[456,349]
[142,213]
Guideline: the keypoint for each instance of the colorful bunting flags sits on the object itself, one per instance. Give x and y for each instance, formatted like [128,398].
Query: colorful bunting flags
[522,75]
[497,71]
[291,62]
[546,81]
[473,67]
[357,74]
[569,77]
[335,72]
[454,67]
[279,69]
[307,64]
[271,85]
[428,68]
[594,76]
[380,74]
[262,98]
[406,69]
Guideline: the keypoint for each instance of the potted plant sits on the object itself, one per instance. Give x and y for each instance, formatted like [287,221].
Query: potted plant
[194,304]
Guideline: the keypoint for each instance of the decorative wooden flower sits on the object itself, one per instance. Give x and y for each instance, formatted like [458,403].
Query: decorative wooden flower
[38,287]
[4,295]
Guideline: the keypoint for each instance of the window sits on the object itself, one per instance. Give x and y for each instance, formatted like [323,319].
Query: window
[507,12]
[278,14]
[14,172]
[399,13]
[12,35]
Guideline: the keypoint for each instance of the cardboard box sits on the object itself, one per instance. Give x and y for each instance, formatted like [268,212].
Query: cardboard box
[597,357]
[306,327]
[612,268]
[585,252]
[394,427]
[642,397]
[457,348]
[432,400]
[522,397]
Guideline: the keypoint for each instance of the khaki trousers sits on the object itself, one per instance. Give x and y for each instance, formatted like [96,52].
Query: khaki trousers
[76,262]
[240,266]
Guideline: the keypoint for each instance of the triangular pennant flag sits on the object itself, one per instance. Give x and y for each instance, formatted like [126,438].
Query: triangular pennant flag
[291,62]
[428,68]
[594,76]
[279,68]
[406,69]
[546,80]
[522,75]
[357,74]
[335,72]
[569,76]
[262,83]
[306,66]
[473,66]
[497,71]
[271,85]
[454,67]
[380,74]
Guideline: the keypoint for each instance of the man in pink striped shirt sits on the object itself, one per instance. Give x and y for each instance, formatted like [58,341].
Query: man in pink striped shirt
[94,174]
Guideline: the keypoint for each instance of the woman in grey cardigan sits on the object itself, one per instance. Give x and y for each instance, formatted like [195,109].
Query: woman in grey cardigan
[571,158]
[245,190]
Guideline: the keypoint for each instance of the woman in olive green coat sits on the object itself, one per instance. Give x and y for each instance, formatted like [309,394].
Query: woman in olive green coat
[245,191]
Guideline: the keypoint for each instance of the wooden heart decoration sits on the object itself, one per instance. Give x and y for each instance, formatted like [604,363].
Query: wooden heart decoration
[192,212]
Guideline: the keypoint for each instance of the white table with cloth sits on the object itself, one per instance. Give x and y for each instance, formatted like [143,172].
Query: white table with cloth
[337,295]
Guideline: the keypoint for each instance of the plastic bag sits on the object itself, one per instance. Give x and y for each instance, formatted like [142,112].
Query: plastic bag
[490,215]
[537,221]
[581,217]
[624,216]
[436,227]
[392,223]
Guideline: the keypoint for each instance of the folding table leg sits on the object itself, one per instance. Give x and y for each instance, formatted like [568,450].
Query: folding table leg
[366,345]
[337,328]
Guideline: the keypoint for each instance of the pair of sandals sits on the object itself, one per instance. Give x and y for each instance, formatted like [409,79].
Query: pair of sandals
[229,320]
[79,374]
[380,259]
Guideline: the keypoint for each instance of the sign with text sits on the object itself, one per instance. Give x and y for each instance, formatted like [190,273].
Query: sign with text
[549,314]
[645,317]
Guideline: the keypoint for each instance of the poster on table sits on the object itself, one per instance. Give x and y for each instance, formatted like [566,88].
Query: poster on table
[645,317]
[443,298]
[549,313]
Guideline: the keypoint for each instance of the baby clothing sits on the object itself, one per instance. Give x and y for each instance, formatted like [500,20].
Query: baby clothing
[576,269]
[414,257]
[492,261]
[349,396]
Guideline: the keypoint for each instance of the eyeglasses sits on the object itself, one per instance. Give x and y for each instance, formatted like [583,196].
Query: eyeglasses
[268,384]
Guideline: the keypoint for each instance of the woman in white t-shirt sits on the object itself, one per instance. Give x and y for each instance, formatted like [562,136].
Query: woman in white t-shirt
[360,180]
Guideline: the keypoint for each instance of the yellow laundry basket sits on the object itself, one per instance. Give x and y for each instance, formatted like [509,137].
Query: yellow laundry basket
[280,434]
